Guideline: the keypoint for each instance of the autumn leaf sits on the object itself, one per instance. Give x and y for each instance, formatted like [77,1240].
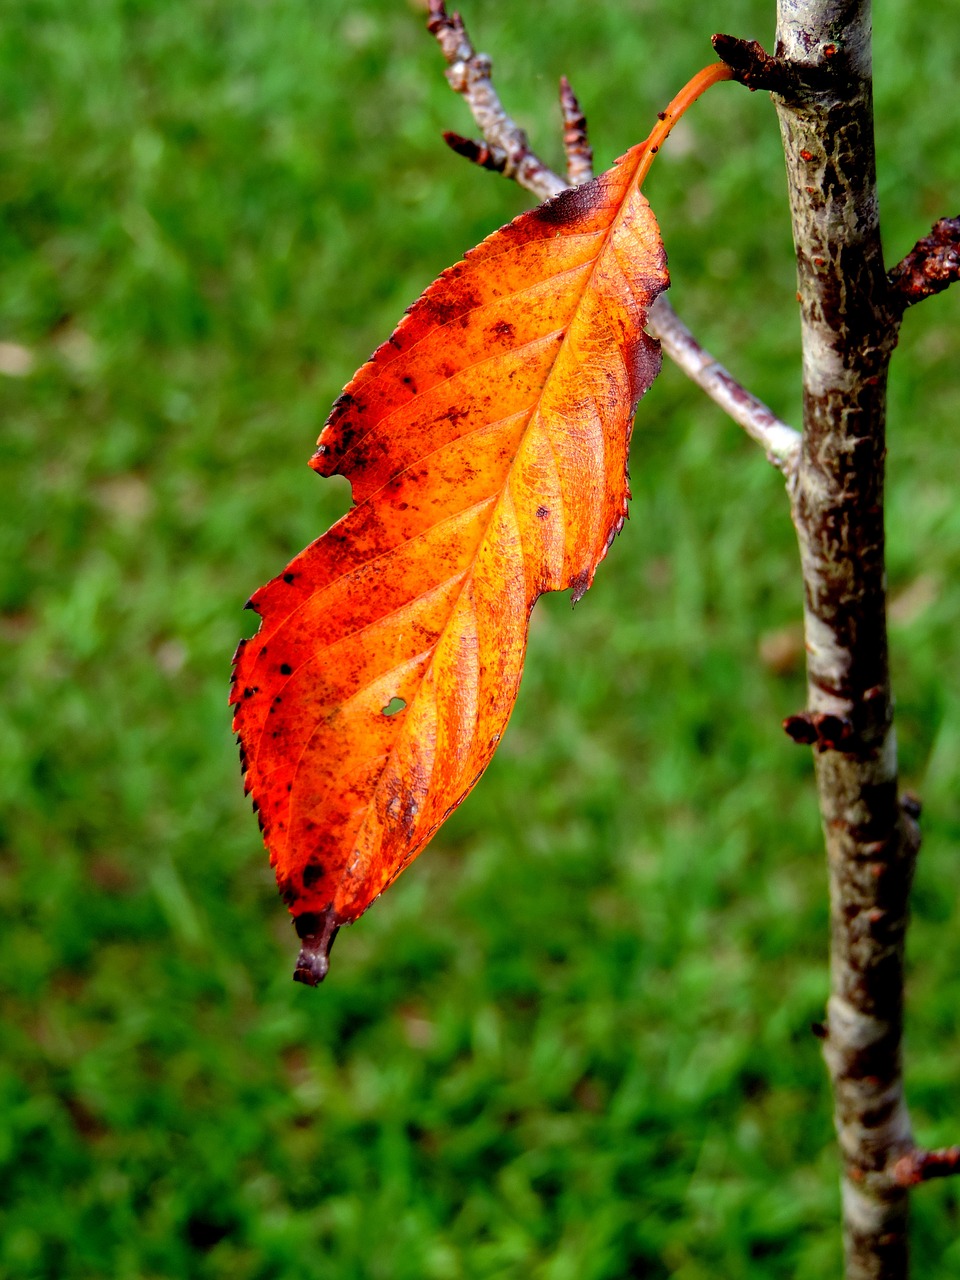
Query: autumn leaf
[486,445]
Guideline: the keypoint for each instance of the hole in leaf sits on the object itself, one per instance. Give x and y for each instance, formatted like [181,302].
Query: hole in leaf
[394,706]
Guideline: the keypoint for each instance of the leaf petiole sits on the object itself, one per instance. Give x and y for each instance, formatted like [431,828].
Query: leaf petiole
[691,91]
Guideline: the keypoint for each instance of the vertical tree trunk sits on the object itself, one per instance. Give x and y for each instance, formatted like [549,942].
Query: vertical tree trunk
[849,327]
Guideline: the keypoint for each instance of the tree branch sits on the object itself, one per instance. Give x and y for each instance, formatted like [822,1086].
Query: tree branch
[506,150]
[780,442]
[470,74]
[921,1166]
[575,140]
[931,265]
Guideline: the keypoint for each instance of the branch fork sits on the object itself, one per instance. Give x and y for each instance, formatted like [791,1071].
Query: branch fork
[506,150]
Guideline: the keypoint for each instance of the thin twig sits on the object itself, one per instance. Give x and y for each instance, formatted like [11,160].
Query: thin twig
[505,148]
[469,74]
[576,142]
[480,153]
[921,1166]
[780,442]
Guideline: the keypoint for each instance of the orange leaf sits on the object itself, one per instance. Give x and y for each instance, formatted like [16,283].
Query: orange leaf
[486,443]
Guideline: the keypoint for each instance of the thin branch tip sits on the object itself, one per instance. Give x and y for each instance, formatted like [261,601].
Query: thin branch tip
[576,142]
[477,152]
[923,1166]
[931,266]
[470,74]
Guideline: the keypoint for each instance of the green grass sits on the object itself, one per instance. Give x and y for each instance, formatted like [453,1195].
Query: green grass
[574,1040]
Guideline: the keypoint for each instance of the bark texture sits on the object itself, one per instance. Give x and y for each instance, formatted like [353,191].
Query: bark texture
[849,326]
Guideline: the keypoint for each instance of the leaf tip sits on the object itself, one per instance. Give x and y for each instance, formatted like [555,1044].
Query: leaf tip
[579,584]
[317,931]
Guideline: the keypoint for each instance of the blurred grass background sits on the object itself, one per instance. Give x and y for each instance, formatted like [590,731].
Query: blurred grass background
[574,1040]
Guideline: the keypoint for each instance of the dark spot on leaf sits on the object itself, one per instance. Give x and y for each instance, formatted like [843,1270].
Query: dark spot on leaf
[286,669]
[542,512]
[445,309]
[343,401]
[288,578]
[410,811]
[502,329]
[312,872]
[569,205]
[346,434]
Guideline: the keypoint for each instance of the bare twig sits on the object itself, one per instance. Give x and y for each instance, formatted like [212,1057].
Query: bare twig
[480,153]
[931,265]
[921,1166]
[505,148]
[576,143]
[469,74]
[780,442]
